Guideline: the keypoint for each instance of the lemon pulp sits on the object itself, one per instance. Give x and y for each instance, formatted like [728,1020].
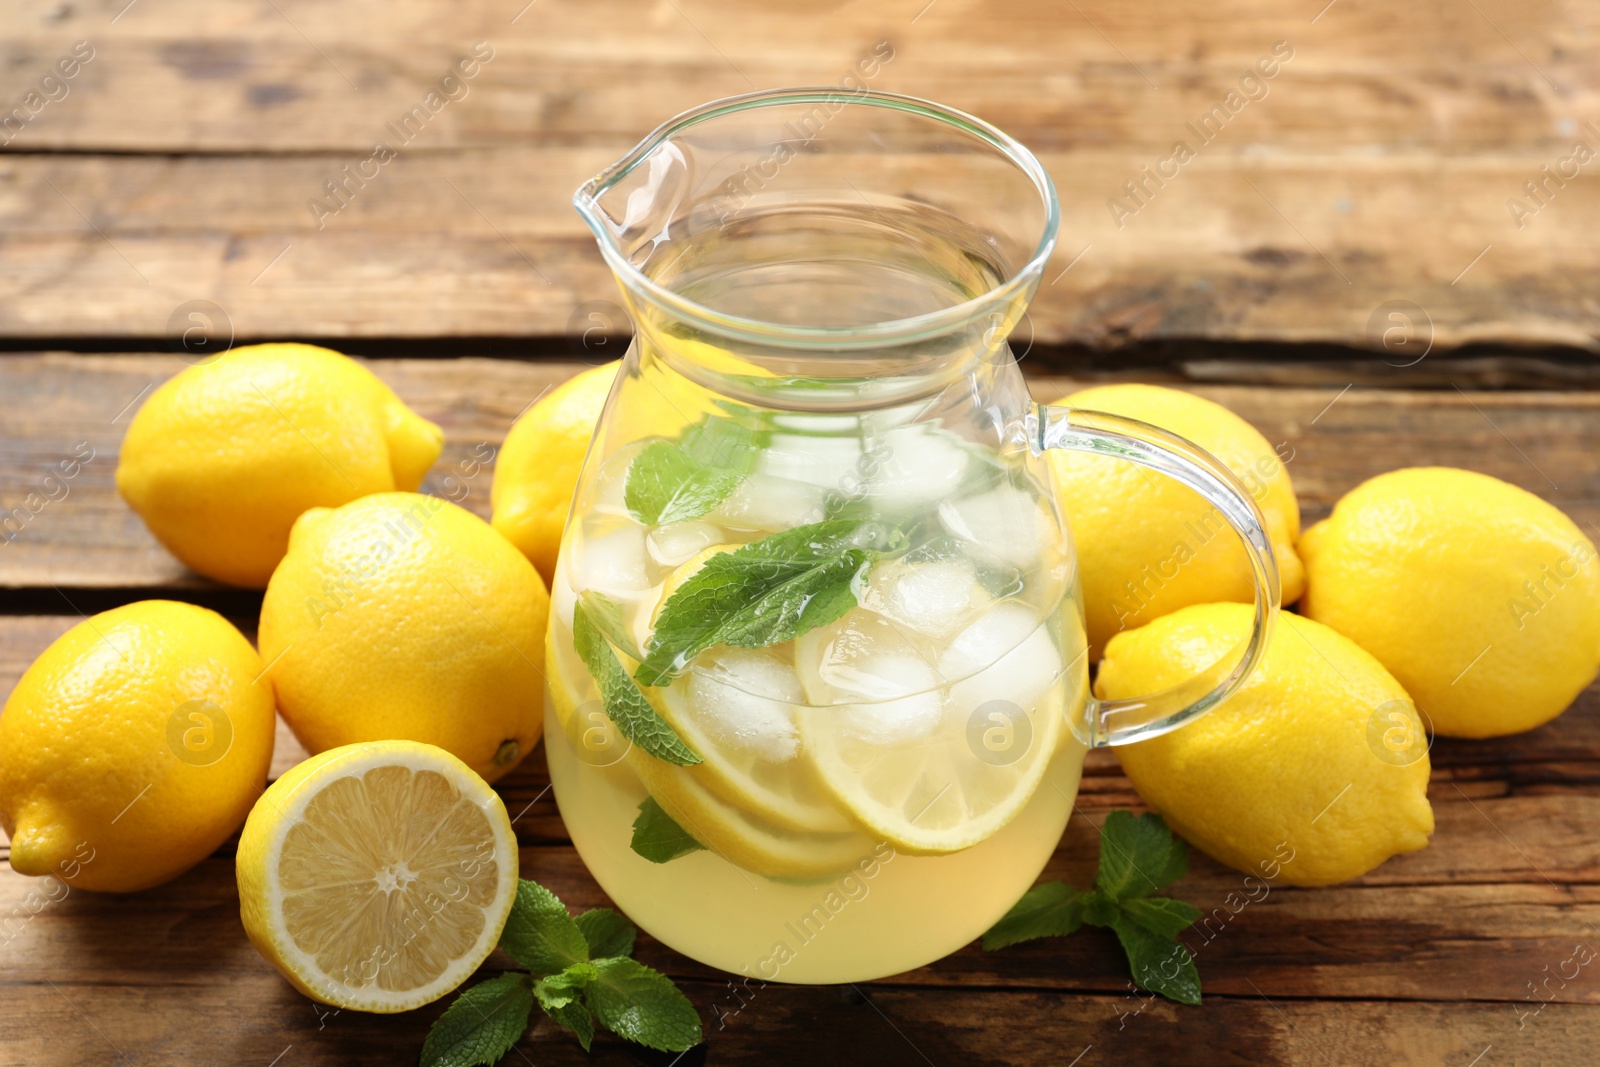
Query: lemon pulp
[380,879]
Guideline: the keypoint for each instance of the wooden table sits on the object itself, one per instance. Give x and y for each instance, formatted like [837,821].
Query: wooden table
[1377,168]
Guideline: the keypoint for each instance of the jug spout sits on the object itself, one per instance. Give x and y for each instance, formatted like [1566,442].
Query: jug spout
[830,235]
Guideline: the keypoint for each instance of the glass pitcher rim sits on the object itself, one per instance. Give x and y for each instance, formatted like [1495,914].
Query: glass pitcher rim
[871,335]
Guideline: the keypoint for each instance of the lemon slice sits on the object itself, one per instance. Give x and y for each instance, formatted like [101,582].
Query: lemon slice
[727,829]
[377,876]
[939,769]
[753,765]
[740,837]
[765,775]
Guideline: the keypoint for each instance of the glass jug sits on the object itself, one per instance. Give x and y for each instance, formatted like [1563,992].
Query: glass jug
[818,676]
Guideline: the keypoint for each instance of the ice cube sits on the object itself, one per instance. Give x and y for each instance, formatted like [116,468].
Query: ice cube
[916,465]
[678,542]
[932,598]
[562,597]
[1007,653]
[610,482]
[863,661]
[745,702]
[1004,524]
[762,502]
[825,462]
[906,704]
[612,562]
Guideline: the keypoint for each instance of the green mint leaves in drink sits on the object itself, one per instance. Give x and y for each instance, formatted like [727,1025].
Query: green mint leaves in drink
[1138,857]
[763,593]
[689,475]
[626,706]
[580,973]
[658,837]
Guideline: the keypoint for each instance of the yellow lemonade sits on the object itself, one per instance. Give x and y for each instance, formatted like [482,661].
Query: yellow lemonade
[862,794]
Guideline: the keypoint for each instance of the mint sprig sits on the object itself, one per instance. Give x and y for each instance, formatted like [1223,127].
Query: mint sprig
[689,475]
[579,973]
[658,837]
[481,1024]
[625,705]
[763,593]
[1138,857]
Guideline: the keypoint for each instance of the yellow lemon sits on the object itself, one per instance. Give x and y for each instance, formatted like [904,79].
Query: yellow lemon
[537,469]
[1148,545]
[377,876]
[404,616]
[1482,599]
[133,746]
[223,458]
[1314,772]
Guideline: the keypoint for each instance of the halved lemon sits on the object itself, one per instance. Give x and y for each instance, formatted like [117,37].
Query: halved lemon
[377,876]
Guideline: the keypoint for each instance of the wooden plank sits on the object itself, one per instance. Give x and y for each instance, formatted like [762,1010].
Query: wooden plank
[484,242]
[1491,829]
[257,1017]
[1542,441]
[1394,155]
[186,76]
[1481,942]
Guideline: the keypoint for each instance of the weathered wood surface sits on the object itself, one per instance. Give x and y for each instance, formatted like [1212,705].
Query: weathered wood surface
[1428,958]
[1378,166]
[1546,442]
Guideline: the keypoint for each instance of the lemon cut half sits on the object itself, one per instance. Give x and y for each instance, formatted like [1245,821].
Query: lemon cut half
[377,876]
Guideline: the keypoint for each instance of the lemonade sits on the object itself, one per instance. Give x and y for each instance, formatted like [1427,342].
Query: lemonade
[872,792]
[817,665]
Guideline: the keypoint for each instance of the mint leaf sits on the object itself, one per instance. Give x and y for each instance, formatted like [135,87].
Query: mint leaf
[642,1005]
[606,616]
[575,1017]
[1053,909]
[1158,963]
[1161,915]
[539,934]
[608,933]
[688,476]
[657,836]
[1138,856]
[627,707]
[558,990]
[481,1024]
[761,594]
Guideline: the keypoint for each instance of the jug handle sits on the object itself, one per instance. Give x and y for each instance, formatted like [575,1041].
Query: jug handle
[1119,722]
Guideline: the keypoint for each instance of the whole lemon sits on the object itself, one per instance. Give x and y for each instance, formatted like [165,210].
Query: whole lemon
[223,457]
[537,469]
[402,616]
[1314,772]
[1482,599]
[133,746]
[1148,545]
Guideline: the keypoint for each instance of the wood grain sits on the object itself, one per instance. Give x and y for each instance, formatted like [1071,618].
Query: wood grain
[1545,442]
[1378,167]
